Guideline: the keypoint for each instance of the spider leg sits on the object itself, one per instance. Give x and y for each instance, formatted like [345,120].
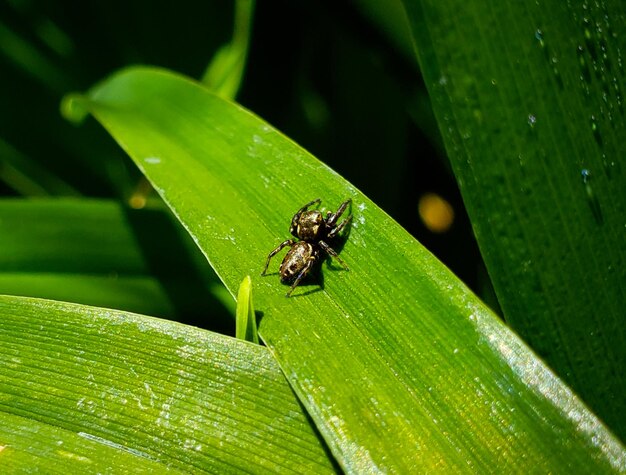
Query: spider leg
[301,275]
[310,203]
[333,253]
[288,242]
[338,229]
[332,219]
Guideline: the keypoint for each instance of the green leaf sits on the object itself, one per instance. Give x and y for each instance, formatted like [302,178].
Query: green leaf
[57,249]
[32,61]
[27,177]
[136,293]
[529,98]
[225,73]
[98,253]
[89,390]
[400,366]
[67,235]
[246,318]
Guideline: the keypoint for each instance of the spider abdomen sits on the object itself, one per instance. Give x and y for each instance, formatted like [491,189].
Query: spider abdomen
[299,257]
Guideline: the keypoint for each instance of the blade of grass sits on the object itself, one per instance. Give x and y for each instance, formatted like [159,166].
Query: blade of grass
[67,235]
[97,252]
[76,250]
[27,177]
[529,98]
[90,389]
[132,293]
[225,72]
[246,318]
[397,349]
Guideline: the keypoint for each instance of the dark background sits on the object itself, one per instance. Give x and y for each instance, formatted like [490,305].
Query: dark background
[319,71]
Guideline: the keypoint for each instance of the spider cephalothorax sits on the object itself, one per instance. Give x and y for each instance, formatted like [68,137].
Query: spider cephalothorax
[313,230]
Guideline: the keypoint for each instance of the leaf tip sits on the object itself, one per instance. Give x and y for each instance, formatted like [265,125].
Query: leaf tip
[73,108]
[246,328]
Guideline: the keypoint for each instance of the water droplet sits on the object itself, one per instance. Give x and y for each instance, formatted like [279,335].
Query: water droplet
[605,55]
[589,39]
[549,56]
[584,66]
[618,95]
[607,166]
[587,25]
[539,37]
[595,130]
[585,174]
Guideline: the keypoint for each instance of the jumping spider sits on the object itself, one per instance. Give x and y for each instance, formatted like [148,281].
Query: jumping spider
[312,230]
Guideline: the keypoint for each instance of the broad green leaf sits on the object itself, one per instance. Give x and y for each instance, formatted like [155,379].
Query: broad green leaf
[529,98]
[87,390]
[400,366]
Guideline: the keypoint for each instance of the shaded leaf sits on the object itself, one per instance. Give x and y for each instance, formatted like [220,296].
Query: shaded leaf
[529,99]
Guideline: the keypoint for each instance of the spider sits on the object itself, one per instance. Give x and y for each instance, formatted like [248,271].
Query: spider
[312,230]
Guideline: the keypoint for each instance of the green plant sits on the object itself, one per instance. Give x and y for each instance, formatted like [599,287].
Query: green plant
[395,365]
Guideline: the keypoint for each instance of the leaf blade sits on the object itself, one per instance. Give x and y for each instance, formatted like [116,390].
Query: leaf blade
[525,113]
[167,394]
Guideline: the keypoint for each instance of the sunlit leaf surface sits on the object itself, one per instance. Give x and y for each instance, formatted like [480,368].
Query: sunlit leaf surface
[91,390]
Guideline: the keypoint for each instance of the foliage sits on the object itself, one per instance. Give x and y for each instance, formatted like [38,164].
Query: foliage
[395,349]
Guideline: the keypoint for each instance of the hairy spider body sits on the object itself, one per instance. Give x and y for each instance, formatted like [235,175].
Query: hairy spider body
[308,226]
[300,257]
[312,230]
